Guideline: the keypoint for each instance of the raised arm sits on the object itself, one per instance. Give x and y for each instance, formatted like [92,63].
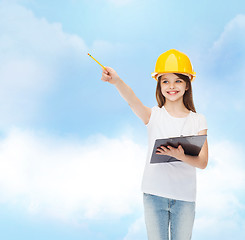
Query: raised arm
[143,112]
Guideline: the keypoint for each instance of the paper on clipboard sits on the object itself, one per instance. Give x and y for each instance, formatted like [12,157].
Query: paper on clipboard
[192,145]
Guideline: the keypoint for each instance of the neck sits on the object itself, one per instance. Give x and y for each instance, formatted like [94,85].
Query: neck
[176,108]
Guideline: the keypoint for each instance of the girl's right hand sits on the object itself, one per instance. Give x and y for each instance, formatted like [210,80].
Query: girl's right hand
[110,75]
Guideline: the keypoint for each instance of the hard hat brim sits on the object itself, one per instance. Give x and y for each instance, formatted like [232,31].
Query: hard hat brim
[155,75]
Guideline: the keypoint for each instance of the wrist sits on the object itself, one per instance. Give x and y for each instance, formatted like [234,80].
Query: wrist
[182,158]
[118,82]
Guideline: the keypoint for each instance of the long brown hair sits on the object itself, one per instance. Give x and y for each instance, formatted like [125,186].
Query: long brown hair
[187,98]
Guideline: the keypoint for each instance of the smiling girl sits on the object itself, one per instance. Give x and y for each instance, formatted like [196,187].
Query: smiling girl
[169,189]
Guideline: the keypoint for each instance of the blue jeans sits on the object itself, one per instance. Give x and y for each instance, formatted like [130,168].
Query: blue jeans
[164,216]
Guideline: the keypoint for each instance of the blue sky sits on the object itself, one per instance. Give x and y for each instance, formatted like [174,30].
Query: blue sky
[72,152]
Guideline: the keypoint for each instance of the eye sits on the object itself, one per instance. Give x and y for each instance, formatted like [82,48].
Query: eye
[179,81]
[164,81]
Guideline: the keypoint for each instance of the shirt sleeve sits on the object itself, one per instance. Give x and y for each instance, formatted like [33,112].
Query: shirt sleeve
[202,123]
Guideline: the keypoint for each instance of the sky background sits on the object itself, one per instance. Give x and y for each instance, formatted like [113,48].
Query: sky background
[72,152]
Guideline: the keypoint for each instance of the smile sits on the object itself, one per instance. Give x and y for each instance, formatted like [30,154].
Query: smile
[172,92]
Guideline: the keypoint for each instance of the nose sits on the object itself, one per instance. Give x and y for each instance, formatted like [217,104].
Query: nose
[172,85]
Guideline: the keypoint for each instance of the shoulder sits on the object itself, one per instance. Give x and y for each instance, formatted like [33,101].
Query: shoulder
[158,111]
[200,120]
[155,109]
[198,115]
[154,114]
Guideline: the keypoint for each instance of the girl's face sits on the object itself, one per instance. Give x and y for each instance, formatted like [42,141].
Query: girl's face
[172,87]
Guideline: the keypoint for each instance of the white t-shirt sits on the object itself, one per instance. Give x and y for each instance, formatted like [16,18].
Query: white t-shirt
[175,180]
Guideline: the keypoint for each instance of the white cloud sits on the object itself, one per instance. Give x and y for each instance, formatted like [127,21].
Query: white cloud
[236,25]
[137,231]
[221,191]
[227,55]
[223,70]
[220,199]
[71,179]
[32,53]
[68,178]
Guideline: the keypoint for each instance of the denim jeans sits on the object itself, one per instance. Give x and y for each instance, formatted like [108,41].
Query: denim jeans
[164,216]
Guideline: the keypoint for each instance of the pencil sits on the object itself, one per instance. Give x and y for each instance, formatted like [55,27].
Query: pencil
[96,61]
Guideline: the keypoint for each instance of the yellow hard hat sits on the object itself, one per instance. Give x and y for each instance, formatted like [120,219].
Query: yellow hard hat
[173,61]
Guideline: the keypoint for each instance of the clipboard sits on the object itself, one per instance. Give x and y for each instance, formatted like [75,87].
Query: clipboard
[192,145]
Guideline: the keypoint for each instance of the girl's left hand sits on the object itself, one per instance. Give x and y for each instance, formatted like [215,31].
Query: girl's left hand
[177,153]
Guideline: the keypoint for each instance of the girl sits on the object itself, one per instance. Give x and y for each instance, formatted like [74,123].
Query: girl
[169,189]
